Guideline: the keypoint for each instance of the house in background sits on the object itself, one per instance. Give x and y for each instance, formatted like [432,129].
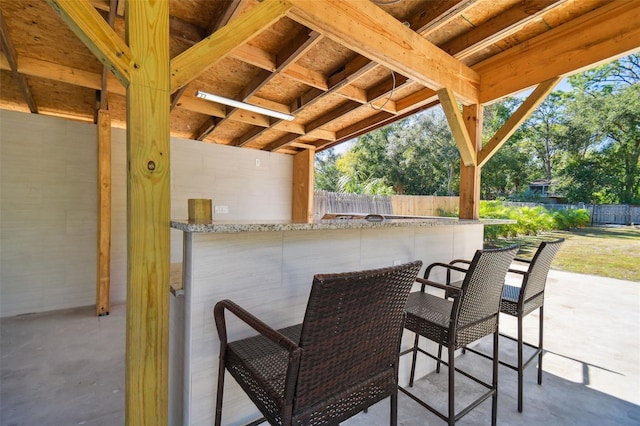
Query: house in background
[543,189]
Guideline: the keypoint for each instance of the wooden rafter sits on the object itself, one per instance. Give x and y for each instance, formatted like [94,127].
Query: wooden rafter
[386,41]
[433,17]
[438,14]
[12,59]
[563,50]
[103,95]
[499,27]
[85,21]
[231,10]
[300,44]
[194,61]
[516,119]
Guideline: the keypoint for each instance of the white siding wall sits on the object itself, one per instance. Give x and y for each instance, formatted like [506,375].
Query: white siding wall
[48,205]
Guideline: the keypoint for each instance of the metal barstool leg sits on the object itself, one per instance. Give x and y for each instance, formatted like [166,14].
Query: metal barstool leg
[439,358]
[452,370]
[393,421]
[520,364]
[413,362]
[494,398]
[221,371]
[540,348]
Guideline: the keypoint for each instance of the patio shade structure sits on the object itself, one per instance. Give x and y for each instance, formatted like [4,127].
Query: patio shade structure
[341,68]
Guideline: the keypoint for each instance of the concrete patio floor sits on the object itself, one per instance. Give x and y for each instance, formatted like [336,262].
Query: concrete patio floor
[67,367]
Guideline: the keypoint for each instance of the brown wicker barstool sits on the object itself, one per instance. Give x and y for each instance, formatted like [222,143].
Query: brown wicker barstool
[521,301]
[342,359]
[471,315]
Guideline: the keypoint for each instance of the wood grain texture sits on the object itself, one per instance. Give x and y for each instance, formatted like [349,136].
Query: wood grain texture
[302,202]
[564,50]
[85,21]
[148,215]
[104,213]
[517,118]
[191,63]
[470,175]
[387,41]
[460,133]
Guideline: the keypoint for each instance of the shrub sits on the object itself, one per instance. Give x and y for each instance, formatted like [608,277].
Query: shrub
[529,220]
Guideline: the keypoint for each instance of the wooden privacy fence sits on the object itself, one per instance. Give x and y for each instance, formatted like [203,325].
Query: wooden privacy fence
[418,205]
[411,205]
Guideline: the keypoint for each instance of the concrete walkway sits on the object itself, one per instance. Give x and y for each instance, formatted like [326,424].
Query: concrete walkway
[67,367]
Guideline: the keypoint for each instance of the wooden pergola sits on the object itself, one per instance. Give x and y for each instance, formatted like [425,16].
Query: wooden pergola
[342,68]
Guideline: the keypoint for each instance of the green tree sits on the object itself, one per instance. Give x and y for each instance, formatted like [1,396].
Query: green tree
[512,167]
[605,106]
[326,175]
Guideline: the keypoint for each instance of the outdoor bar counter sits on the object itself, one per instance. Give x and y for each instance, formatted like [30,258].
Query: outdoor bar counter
[267,268]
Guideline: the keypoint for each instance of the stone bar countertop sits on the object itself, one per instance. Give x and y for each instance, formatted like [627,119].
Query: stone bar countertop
[374,221]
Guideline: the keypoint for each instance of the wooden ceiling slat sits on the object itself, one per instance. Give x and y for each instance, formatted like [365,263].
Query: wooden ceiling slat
[12,60]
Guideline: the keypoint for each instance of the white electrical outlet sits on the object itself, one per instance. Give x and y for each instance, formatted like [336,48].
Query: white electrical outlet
[397,262]
[257,162]
[221,209]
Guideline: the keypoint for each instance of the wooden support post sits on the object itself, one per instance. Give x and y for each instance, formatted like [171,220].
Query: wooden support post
[470,175]
[302,197]
[104,213]
[148,214]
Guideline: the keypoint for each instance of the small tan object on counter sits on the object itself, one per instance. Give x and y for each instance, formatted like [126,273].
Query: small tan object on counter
[199,210]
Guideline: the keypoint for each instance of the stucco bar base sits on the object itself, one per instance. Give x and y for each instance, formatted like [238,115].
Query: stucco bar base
[269,273]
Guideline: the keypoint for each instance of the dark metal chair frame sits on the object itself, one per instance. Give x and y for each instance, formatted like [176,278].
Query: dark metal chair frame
[521,301]
[472,314]
[342,359]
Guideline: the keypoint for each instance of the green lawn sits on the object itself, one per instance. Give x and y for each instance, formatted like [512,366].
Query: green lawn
[605,251]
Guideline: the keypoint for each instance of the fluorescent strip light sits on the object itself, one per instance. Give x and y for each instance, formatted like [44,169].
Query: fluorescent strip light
[243,105]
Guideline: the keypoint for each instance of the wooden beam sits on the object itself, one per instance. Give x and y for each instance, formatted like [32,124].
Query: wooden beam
[469,201]
[85,21]
[104,213]
[385,40]
[458,127]
[230,11]
[194,61]
[517,118]
[302,196]
[12,58]
[437,14]
[300,44]
[607,33]
[205,129]
[148,215]
[104,94]
[497,28]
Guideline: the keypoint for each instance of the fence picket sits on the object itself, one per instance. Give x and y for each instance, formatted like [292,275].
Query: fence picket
[418,205]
